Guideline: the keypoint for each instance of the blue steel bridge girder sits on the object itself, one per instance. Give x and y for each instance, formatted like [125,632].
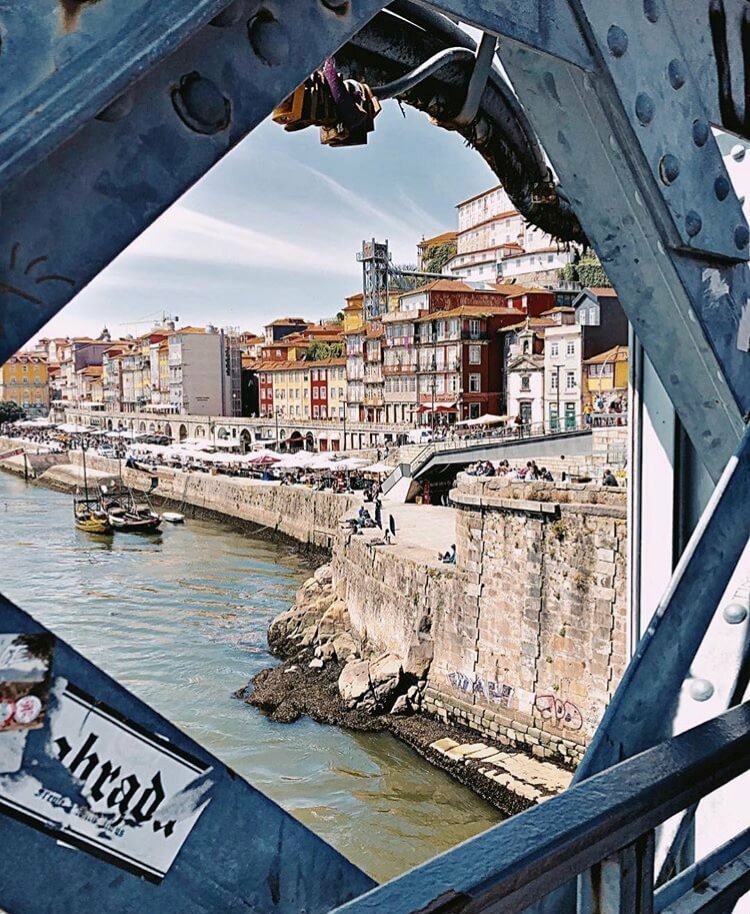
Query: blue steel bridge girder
[631,144]
[110,112]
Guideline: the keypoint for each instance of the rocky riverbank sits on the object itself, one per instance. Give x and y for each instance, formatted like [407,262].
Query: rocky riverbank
[330,674]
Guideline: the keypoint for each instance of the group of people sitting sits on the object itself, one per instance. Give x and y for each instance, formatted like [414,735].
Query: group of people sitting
[530,472]
[364,520]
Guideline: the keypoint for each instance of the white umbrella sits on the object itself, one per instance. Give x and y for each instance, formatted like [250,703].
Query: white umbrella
[350,463]
[378,468]
[486,419]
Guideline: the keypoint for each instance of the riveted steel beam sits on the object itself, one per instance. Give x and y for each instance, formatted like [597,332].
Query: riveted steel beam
[121,811]
[73,205]
[686,308]
[666,111]
[546,25]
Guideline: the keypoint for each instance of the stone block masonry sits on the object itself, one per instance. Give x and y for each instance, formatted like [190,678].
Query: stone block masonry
[547,620]
[295,511]
[528,630]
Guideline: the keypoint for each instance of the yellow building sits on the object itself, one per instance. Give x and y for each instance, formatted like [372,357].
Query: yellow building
[606,378]
[25,380]
[353,318]
[302,390]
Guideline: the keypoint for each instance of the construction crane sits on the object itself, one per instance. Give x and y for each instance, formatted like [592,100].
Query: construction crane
[109,112]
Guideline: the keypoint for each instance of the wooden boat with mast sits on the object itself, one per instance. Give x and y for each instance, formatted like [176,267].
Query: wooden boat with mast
[87,512]
[124,511]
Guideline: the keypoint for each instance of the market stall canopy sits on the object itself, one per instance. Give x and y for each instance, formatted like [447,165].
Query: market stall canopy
[380,468]
[72,429]
[486,419]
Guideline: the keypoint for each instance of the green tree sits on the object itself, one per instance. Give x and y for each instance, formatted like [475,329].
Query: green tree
[587,271]
[318,351]
[438,256]
[10,411]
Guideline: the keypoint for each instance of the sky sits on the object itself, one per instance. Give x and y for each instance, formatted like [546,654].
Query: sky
[273,229]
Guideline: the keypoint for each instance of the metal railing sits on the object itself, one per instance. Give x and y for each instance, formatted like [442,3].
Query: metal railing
[599,834]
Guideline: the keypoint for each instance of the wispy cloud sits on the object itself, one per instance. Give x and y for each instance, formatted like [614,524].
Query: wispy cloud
[198,238]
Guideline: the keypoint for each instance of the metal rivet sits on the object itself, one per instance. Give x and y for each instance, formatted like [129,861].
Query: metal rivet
[722,187]
[701,689]
[118,109]
[735,613]
[651,10]
[669,168]
[700,132]
[741,236]
[338,6]
[737,152]
[269,39]
[677,73]
[201,105]
[617,41]
[693,223]
[229,16]
[644,108]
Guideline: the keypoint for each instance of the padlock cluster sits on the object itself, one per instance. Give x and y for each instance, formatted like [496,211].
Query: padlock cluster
[343,121]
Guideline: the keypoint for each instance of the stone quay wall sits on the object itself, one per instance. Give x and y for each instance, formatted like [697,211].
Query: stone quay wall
[535,645]
[295,511]
[38,459]
[393,600]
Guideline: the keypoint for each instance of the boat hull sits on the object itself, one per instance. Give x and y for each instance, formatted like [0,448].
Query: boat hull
[135,524]
[93,524]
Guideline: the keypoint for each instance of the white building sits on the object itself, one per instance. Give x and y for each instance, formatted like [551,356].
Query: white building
[198,381]
[525,379]
[495,242]
[563,374]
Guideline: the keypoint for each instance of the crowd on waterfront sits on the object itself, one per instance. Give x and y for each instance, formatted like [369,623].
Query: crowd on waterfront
[526,473]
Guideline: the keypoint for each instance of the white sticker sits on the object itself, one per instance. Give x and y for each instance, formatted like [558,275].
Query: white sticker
[142,795]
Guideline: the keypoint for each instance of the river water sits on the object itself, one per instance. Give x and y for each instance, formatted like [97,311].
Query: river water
[181,619]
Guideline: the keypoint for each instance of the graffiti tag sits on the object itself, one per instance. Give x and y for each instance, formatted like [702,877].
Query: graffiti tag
[487,688]
[561,713]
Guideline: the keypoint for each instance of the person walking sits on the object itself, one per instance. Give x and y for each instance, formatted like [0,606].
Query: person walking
[392,525]
[378,512]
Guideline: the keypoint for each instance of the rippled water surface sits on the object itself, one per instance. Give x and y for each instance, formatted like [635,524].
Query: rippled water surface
[181,619]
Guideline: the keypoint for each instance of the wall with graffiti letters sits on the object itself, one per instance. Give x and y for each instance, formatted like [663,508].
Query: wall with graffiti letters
[532,648]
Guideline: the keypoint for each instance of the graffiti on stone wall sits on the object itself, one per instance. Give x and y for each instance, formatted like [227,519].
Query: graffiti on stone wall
[487,688]
[563,714]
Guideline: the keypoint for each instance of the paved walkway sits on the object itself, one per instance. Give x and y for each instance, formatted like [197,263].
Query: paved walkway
[421,530]
[527,777]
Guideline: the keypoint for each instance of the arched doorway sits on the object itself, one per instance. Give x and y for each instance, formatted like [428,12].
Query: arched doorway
[183,433]
[109,425]
[200,432]
[309,442]
[296,442]
[167,430]
[281,444]
[245,440]
[142,428]
[151,428]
